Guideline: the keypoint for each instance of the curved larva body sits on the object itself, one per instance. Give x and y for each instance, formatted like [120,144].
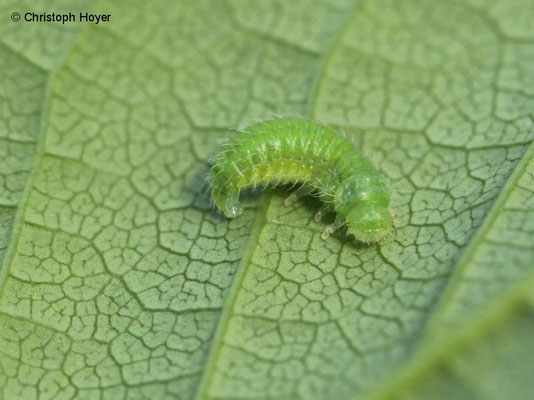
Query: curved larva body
[295,150]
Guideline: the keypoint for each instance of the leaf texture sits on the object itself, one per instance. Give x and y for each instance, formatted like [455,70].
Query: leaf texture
[119,281]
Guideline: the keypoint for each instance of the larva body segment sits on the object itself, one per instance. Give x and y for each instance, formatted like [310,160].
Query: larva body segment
[296,150]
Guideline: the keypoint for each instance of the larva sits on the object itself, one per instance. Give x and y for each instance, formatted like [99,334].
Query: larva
[296,150]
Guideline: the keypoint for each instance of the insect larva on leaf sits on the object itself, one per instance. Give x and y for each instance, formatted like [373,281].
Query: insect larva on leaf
[296,150]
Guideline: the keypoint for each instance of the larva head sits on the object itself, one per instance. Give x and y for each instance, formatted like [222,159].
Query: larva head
[370,223]
[364,199]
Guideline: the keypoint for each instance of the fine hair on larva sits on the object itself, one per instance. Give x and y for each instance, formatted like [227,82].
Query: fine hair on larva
[298,151]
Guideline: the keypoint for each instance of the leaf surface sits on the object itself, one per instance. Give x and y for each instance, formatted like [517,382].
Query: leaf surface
[119,281]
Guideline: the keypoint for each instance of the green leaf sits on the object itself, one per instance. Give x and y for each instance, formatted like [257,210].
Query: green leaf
[119,281]
[488,305]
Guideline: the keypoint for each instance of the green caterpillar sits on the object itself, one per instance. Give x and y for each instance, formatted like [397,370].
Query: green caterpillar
[296,150]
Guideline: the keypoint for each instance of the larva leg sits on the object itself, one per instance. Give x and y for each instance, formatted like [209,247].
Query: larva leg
[325,209]
[338,223]
[227,202]
[297,194]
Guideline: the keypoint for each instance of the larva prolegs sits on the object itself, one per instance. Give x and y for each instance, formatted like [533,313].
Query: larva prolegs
[228,202]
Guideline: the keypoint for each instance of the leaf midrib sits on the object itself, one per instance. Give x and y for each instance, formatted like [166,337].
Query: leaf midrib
[433,347]
[215,344]
[258,226]
[483,324]
[38,154]
[436,320]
